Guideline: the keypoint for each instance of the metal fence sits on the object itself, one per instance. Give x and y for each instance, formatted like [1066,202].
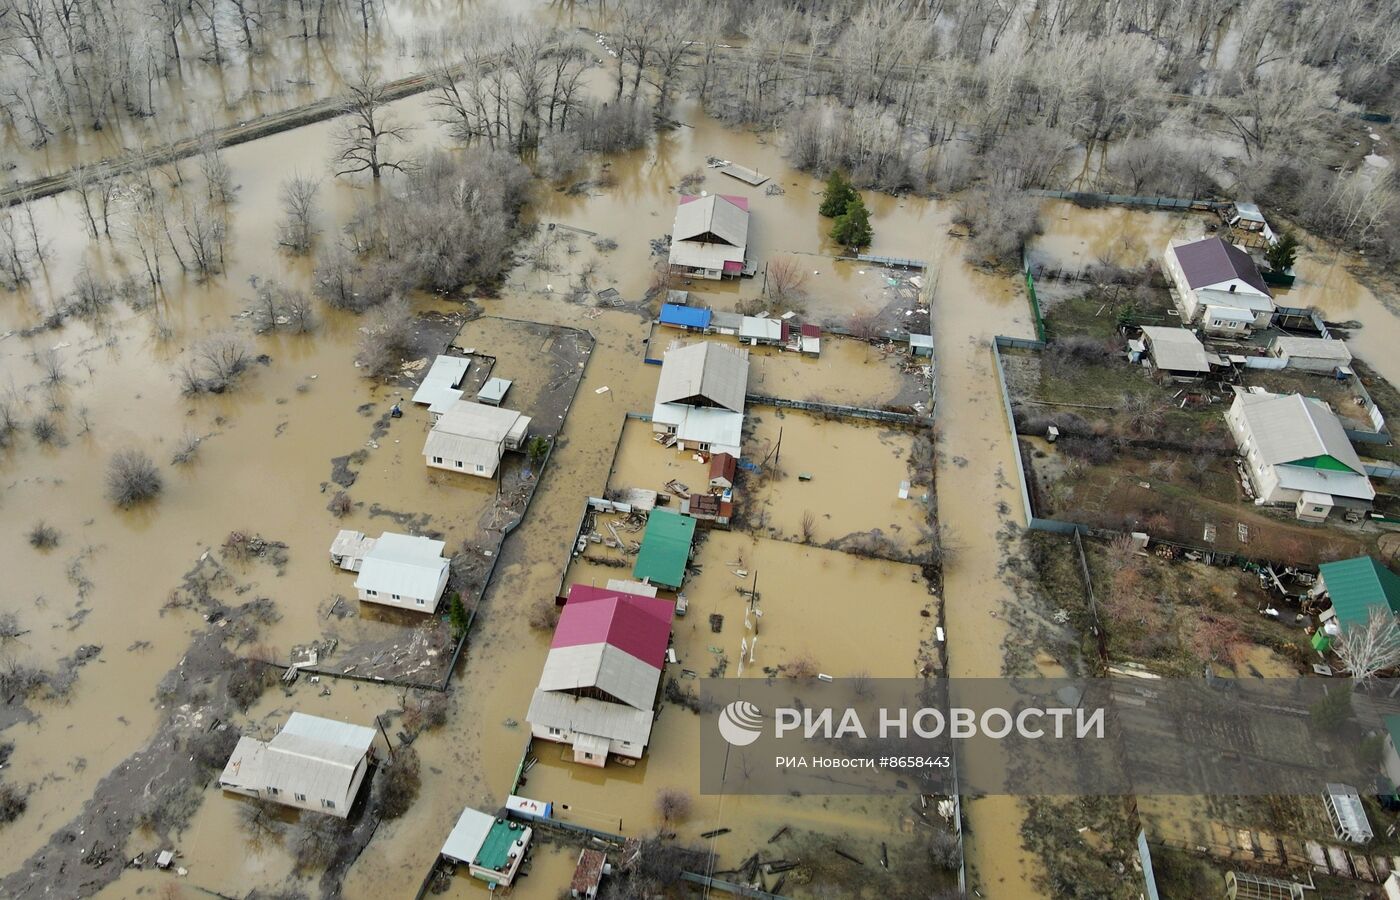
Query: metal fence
[1090,197]
[1030,292]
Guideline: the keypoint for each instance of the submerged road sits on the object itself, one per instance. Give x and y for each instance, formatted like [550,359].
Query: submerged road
[976,501]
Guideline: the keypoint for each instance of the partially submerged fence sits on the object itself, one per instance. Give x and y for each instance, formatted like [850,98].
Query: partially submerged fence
[1091,198]
[906,420]
[1030,292]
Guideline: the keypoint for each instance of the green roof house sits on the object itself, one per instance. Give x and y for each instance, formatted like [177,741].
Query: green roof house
[1358,586]
[665,549]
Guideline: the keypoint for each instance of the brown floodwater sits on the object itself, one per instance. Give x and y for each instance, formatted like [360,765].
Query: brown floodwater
[268,450]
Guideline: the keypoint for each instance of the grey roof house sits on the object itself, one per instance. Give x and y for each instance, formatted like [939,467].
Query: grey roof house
[472,437]
[710,236]
[700,397]
[312,763]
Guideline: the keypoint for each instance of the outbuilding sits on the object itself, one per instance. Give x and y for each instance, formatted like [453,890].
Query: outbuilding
[492,847]
[1176,353]
[666,546]
[404,571]
[1311,354]
[442,386]
[472,437]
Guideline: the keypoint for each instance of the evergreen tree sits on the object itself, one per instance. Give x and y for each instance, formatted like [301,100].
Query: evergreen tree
[457,614]
[1282,253]
[852,227]
[839,194]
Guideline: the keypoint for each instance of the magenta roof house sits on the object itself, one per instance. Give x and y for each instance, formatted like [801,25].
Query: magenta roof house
[599,685]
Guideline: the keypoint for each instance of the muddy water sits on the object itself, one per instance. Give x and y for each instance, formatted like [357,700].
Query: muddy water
[848,372]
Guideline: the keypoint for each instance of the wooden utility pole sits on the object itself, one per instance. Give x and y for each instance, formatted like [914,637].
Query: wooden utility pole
[380,722]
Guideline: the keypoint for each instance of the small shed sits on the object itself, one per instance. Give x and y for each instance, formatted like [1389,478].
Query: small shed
[1356,586]
[811,340]
[1244,886]
[666,546]
[491,846]
[350,548]
[921,344]
[1310,354]
[588,874]
[726,322]
[1244,216]
[723,468]
[1176,353]
[1348,814]
[762,330]
[493,391]
[688,318]
[708,508]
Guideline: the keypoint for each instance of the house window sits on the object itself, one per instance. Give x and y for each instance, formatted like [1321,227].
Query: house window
[272,791]
[395,596]
[459,464]
[437,460]
[555,731]
[301,798]
[328,804]
[588,756]
[369,593]
[421,601]
[481,468]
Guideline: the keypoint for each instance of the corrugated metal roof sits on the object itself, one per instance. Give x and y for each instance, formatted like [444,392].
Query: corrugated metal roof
[685,316]
[1290,427]
[706,370]
[472,452]
[1359,585]
[468,835]
[634,623]
[602,666]
[494,390]
[763,329]
[439,386]
[665,548]
[477,420]
[719,428]
[405,565]
[311,755]
[1312,348]
[1214,261]
[585,715]
[1176,349]
[351,543]
[723,215]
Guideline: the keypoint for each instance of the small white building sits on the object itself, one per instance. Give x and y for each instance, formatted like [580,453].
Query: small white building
[313,763]
[700,397]
[472,437]
[1311,354]
[762,330]
[404,571]
[349,549]
[442,386]
[1297,453]
[492,847]
[1219,287]
[1348,814]
[1177,353]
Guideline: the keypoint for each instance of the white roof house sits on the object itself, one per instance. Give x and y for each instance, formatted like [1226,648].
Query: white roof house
[441,387]
[472,437]
[1295,445]
[312,763]
[761,330]
[710,235]
[700,396]
[1176,350]
[1311,353]
[349,549]
[404,571]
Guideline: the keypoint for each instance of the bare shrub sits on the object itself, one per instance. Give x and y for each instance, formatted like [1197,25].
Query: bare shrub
[186,449]
[425,711]
[45,430]
[9,628]
[809,525]
[297,229]
[385,338]
[91,296]
[43,536]
[396,786]
[340,504]
[801,667]
[215,364]
[673,805]
[247,679]
[544,614]
[13,803]
[558,156]
[132,478]
[998,223]
[785,280]
[211,749]
[260,818]
[944,850]
[51,366]
[316,839]
[9,419]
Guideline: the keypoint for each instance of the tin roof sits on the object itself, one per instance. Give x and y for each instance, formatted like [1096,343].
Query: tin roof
[1313,348]
[311,755]
[403,564]
[685,316]
[1359,585]
[704,373]
[1214,261]
[636,624]
[665,548]
[439,386]
[1176,349]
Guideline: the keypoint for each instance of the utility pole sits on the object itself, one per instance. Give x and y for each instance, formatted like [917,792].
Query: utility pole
[380,722]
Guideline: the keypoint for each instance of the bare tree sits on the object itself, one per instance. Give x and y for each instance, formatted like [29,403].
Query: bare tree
[1369,649]
[132,478]
[785,279]
[368,132]
[673,805]
[298,227]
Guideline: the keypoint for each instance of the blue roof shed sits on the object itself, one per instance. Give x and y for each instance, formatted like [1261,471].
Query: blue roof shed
[677,316]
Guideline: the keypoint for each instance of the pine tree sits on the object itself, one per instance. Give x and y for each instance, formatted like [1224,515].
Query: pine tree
[457,614]
[1283,252]
[839,194]
[852,227]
